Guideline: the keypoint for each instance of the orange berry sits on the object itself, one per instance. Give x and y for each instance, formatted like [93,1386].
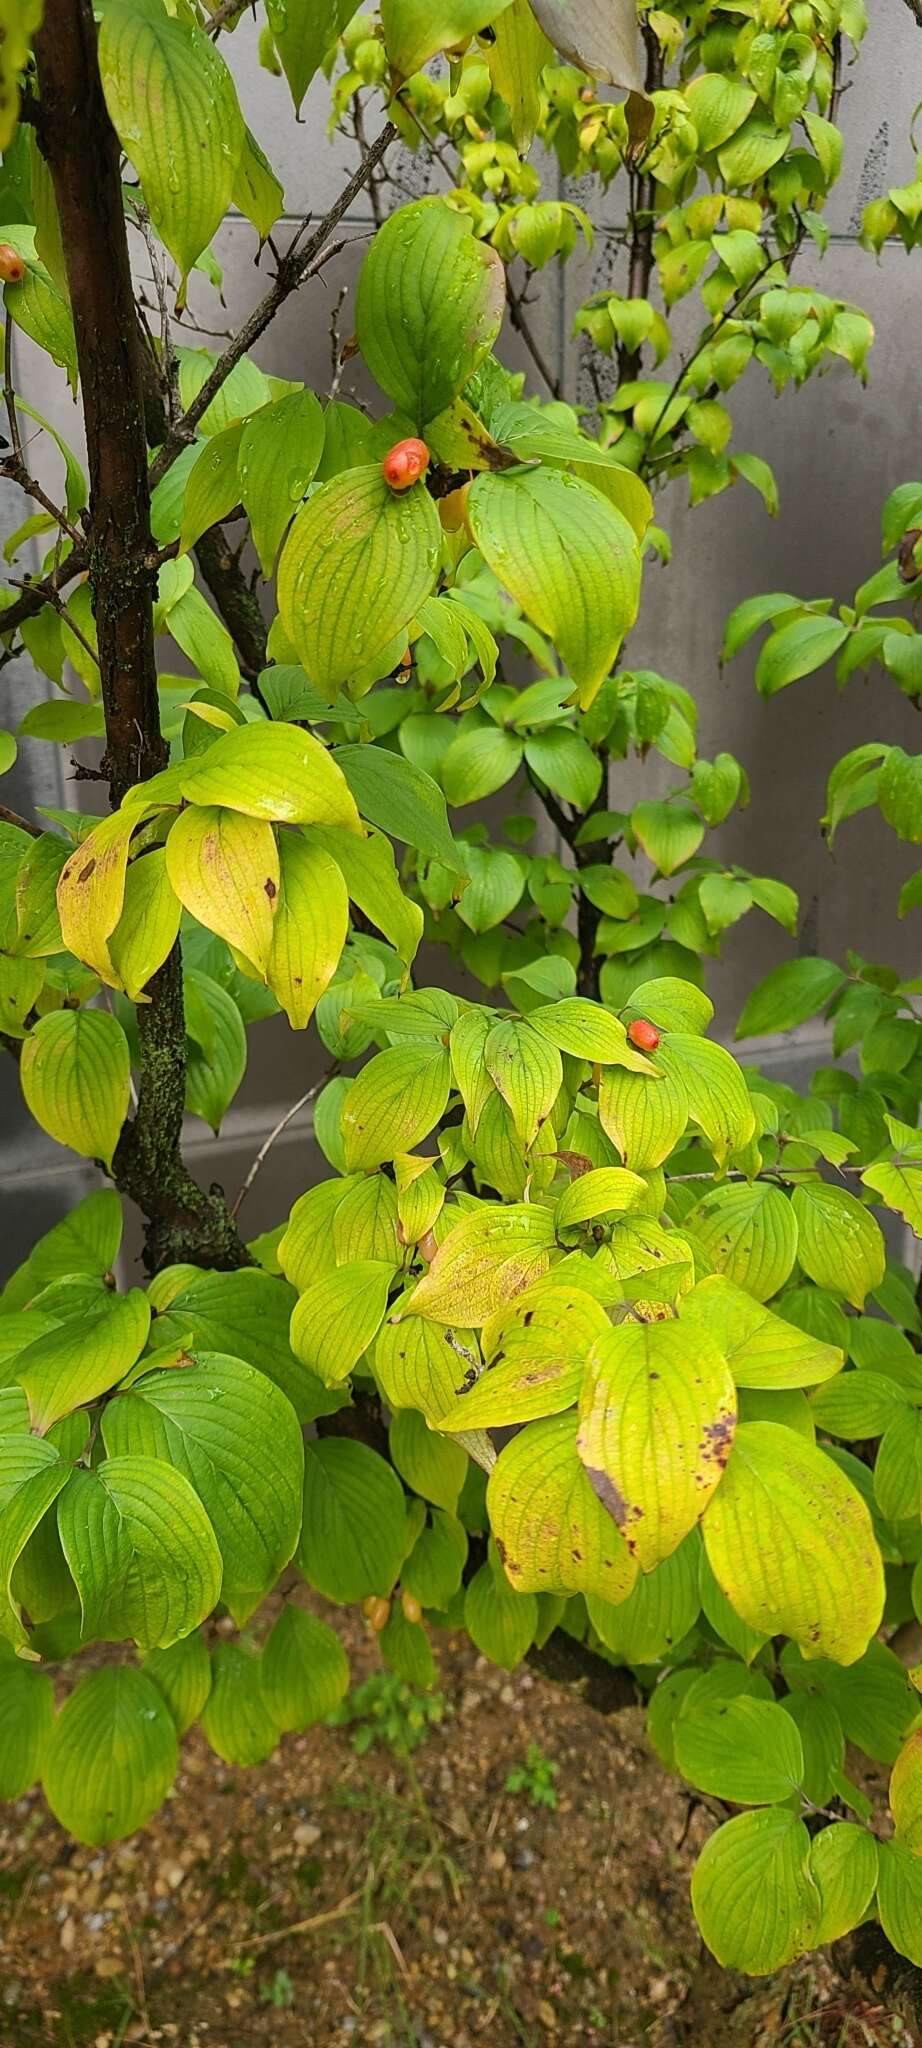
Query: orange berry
[411,1607]
[645,1036]
[405,463]
[380,1616]
[12,267]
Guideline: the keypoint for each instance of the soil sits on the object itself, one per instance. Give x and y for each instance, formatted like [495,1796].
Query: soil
[333,1900]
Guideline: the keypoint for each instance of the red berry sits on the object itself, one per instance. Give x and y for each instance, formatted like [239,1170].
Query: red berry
[644,1035]
[12,267]
[405,463]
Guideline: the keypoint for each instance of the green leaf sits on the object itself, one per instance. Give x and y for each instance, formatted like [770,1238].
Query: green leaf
[75,1074]
[478,762]
[305,1670]
[588,1032]
[604,1191]
[62,723]
[844,1865]
[744,1750]
[565,762]
[236,1717]
[790,1543]
[85,1241]
[257,192]
[183,1675]
[516,59]
[353,1536]
[718,105]
[211,488]
[216,1047]
[552,1532]
[899,793]
[26,1722]
[303,31]
[434,1570]
[750,1233]
[402,800]
[841,1245]
[898,1471]
[416,1365]
[502,1624]
[796,650]
[82,1357]
[753,1894]
[495,885]
[486,1257]
[111,1757]
[32,1475]
[237,1440]
[662,1607]
[430,302]
[338,1316]
[368,870]
[644,1117]
[395,1102]
[718,1098]
[899,1899]
[657,1420]
[271,771]
[415,30]
[668,833]
[149,924]
[186,157]
[790,994]
[141,1551]
[40,310]
[526,1070]
[761,1349]
[432,1465]
[280,448]
[901,1188]
[568,558]
[356,566]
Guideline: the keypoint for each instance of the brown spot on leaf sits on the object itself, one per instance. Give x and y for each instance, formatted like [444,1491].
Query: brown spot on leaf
[270,888]
[86,872]
[717,1439]
[603,1486]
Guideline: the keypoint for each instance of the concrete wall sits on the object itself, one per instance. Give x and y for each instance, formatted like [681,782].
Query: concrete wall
[837,450]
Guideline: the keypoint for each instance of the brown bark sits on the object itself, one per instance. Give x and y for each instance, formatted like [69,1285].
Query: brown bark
[82,151]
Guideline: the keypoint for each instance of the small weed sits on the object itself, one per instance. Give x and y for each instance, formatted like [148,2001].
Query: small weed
[279,1992]
[388,1710]
[535,1777]
[242,1966]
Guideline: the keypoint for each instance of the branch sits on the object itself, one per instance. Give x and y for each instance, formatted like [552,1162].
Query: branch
[82,152]
[293,271]
[915,9]
[276,1132]
[238,605]
[515,302]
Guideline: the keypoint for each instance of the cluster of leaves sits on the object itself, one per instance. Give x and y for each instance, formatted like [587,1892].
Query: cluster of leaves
[564,1214]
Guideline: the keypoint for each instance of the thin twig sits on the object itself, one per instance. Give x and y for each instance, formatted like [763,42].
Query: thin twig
[516,301]
[302,1926]
[276,1132]
[24,824]
[293,271]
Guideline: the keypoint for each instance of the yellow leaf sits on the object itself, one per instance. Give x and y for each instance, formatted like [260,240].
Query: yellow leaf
[91,892]
[310,928]
[147,929]
[657,1418]
[224,867]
